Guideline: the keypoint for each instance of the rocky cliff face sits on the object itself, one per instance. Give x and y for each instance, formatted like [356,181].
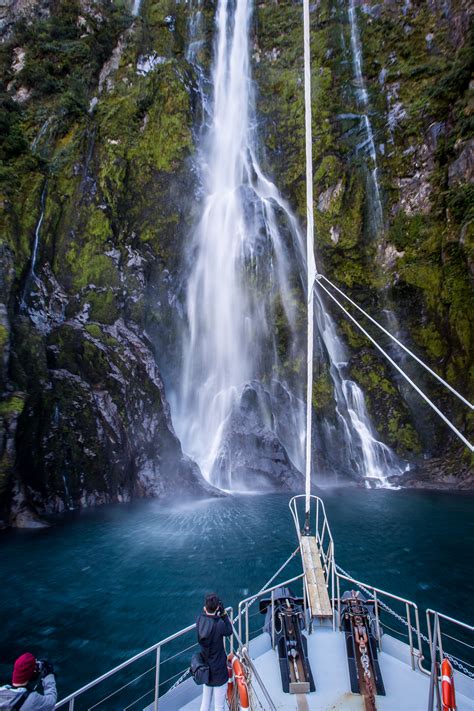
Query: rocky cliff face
[97,109]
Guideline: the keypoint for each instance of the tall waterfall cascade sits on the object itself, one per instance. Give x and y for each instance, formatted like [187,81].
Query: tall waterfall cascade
[246,260]
[367,144]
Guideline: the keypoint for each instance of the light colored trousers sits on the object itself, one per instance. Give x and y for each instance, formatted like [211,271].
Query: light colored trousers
[219,697]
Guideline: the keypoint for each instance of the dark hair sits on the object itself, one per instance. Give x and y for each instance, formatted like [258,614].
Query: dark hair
[212,602]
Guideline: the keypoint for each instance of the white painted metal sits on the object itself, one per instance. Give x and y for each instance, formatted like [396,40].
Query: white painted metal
[310,261]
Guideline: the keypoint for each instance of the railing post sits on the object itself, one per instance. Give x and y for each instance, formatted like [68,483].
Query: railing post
[441,653]
[157,677]
[338,603]
[273,619]
[434,673]
[247,624]
[71,705]
[304,603]
[240,620]
[377,620]
[410,637]
[333,565]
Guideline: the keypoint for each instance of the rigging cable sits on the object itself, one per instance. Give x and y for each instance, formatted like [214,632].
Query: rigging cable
[397,367]
[407,350]
[310,261]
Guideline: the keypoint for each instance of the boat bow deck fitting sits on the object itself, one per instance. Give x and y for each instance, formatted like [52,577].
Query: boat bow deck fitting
[318,597]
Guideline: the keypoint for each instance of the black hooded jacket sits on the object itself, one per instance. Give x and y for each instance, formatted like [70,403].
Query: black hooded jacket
[212,645]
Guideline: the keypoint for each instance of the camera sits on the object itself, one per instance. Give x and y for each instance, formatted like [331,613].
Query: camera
[39,668]
[220,609]
[43,668]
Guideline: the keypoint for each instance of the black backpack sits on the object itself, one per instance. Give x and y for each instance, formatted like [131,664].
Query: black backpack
[11,699]
[199,669]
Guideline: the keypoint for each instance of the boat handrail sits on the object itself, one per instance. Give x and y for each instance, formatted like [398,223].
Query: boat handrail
[416,653]
[248,601]
[70,699]
[325,529]
[435,640]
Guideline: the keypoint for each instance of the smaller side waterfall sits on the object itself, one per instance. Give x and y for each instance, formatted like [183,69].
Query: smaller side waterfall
[369,457]
[34,254]
[368,143]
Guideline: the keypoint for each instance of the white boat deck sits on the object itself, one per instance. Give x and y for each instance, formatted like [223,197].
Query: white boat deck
[405,689]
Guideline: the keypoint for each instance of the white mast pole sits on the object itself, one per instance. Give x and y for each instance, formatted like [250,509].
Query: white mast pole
[311,265]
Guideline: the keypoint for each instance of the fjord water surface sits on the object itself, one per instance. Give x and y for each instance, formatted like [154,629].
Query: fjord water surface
[102,585]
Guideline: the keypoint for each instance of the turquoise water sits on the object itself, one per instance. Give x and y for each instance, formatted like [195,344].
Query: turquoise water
[100,586]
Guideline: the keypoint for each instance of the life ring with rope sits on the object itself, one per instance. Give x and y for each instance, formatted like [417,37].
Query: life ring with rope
[237,676]
[447,686]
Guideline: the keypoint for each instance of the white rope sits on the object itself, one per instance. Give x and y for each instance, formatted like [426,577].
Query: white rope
[400,370]
[310,261]
[407,350]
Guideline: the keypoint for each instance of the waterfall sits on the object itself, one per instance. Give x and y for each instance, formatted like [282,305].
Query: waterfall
[34,255]
[369,458]
[368,143]
[246,258]
[240,259]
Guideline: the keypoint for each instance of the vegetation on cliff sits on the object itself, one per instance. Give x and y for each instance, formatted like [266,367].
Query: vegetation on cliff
[97,114]
[96,117]
[416,267]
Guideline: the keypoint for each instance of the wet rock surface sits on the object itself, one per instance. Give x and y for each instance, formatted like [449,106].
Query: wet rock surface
[252,456]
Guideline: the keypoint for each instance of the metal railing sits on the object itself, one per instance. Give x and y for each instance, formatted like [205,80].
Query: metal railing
[438,653]
[69,701]
[377,596]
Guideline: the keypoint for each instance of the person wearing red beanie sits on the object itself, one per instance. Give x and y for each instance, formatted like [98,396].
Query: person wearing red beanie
[28,674]
[24,669]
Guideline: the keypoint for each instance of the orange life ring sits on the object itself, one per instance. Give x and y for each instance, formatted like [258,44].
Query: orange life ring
[447,686]
[239,677]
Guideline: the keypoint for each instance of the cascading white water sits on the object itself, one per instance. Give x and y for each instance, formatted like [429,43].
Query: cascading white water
[370,458]
[229,314]
[368,143]
[34,255]
[240,267]
[136,7]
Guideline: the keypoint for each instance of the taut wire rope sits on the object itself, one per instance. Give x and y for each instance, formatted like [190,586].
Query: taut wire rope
[397,367]
[399,343]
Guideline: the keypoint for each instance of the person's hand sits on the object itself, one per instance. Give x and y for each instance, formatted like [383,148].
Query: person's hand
[47,668]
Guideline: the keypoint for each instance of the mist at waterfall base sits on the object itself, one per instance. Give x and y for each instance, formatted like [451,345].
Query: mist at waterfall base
[102,585]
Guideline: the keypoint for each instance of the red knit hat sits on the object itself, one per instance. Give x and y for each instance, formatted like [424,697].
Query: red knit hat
[24,669]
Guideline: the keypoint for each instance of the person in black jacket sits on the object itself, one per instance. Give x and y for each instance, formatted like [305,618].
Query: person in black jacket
[212,626]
